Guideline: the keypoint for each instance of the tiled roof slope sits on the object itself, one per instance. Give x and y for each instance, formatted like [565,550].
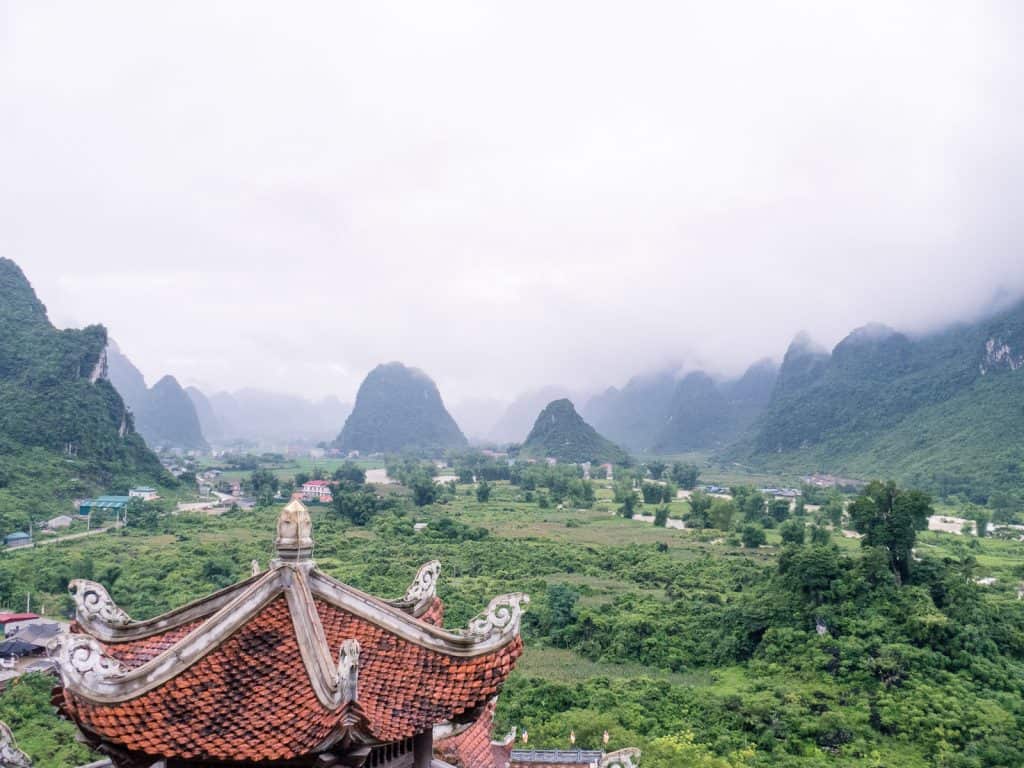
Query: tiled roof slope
[473,748]
[260,677]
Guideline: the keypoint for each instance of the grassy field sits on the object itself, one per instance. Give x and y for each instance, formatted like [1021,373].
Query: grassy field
[285,470]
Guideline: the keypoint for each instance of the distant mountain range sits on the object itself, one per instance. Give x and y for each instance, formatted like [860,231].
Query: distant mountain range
[399,409]
[514,423]
[662,413]
[943,411]
[164,414]
[64,429]
[561,433]
[267,418]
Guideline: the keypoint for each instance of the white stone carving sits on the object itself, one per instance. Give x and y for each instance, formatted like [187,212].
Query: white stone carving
[10,755]
[502,617]
[255,567]
[294,528]
[82,659]
[623,758]
[424,586]
[348,671]
[93,602]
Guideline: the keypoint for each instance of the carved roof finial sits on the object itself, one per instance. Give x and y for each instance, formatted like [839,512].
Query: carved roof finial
[294,533]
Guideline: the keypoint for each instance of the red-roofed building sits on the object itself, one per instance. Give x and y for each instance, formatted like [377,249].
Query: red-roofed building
[10,617]
[286,668]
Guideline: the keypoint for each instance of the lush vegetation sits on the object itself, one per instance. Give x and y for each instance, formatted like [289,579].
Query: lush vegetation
[711,646]
[560,433]
[63,431]
[942,412]
[399,409]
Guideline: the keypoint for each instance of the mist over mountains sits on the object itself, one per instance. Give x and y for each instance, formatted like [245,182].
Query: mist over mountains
[943,410]
[267,418]
[164,414]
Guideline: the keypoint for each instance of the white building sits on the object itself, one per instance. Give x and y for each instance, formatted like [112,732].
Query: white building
[317,489]
[144,492]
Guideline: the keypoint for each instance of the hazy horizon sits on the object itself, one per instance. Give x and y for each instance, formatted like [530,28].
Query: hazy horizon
[506,197]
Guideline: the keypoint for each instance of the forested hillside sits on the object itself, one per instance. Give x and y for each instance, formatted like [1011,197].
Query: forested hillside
[399,409]
[164,415]
[944,411]
[560,433]
[64,429]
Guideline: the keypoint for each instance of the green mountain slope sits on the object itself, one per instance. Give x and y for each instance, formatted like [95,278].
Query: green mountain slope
[399,409]
[64,430]
[164,414]
[561,433]
[944,411]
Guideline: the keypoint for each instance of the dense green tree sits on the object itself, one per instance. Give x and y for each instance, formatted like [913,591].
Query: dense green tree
[750,501]
[753,536]
[357,504]
[779,509]
[722,513]
[483,491]
[699,515]
[350,473]
[628,506]
[792,532]
[657,493]
[684,475]
[661,516]
[424,489]
[820,535]
[656,469]
[889,518]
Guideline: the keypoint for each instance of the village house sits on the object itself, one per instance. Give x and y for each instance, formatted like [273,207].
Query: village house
[58,522]
[317,490]
[17,539]
[144,492]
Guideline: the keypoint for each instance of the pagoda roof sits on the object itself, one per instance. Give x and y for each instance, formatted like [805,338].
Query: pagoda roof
[286,666]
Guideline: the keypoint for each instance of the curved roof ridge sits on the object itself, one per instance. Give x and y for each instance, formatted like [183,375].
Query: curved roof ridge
[87,668]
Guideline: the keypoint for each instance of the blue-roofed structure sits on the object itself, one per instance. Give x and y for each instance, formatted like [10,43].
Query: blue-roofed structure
[105,504]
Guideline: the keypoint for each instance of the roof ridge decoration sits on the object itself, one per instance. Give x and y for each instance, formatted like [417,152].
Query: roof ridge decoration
[89,670]
[294,533]
[503,613]
[10,755]
[622,758]
[424,586]
[355,664]
[93,602]
[348,671]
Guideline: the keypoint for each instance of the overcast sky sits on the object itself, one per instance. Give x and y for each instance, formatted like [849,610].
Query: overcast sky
[506,194]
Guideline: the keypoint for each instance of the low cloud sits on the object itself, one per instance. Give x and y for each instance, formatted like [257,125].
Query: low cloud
[506,195]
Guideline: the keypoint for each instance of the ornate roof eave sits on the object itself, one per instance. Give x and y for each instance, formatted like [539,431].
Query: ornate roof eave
[623,758]
[98,614]
[87,670]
